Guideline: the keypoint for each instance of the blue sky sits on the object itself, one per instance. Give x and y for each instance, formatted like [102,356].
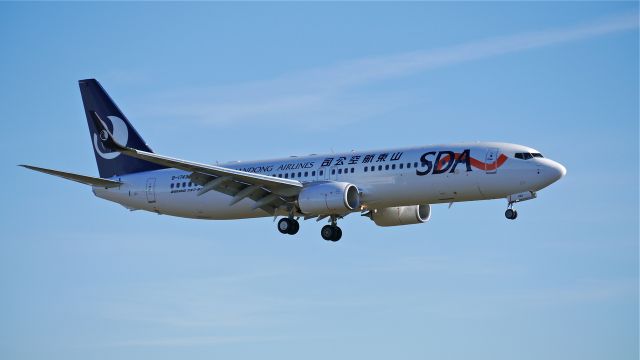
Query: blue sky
[83,278]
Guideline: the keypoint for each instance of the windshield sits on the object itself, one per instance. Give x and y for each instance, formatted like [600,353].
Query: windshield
[527,156]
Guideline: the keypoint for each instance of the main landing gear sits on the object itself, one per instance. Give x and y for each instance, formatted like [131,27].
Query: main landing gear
[331,232]
[511,214]
[288,226]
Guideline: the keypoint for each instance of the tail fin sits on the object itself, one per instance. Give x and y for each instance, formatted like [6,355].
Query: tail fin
[111,163]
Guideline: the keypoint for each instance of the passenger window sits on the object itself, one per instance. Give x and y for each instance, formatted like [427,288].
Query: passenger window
[190,184]
[306,173]
[313,173]
[172,186]
[279,175]
[286,176]
[299,174]
[339,171]
[321,172]
[373,168]
[393,167]
[386,167]
[415,164]
[293,175]
[401,166]
[333,171]
[365,168]
[184,184]
[353,170]
[379,167]
[408,165]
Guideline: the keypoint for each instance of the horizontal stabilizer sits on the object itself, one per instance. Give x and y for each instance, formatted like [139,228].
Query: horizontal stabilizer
[87,180]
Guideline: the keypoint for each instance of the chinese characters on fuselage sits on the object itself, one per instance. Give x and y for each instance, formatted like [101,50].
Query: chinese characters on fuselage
[433,162]
[354,159]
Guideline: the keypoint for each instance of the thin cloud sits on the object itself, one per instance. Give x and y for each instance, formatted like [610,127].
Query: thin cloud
[198,341]
[327,94]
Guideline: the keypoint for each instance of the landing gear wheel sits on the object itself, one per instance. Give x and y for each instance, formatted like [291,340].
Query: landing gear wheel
[327,232]
[331,233]
[284,226]
[288,226]
[294,228]
[511,214]
[337,234]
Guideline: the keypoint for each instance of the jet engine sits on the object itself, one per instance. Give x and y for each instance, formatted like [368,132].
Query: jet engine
[329,198]
[401,215]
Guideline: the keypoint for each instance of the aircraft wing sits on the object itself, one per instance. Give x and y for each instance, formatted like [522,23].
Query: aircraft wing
[268,192]
[83,179]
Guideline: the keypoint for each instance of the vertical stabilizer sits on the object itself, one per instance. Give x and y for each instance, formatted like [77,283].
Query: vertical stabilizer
[112,163]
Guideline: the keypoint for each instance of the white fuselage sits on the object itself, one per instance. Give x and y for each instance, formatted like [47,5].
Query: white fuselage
[400,177]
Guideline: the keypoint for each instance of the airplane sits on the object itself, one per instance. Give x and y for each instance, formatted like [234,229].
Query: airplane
[392,187]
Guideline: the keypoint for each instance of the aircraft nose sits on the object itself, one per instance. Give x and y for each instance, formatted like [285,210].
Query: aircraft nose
[555,171]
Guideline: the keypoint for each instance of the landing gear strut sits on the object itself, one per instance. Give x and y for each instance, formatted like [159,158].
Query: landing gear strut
[288,226]
[331,232]
[512,214]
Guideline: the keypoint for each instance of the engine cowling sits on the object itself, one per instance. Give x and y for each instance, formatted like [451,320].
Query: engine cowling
[401,215]
[329,198]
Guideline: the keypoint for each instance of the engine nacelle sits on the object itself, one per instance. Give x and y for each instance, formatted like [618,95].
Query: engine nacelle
[401,215]
[329,198]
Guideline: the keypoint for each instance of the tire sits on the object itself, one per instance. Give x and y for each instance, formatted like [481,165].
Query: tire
[327,232]
[515,215]
[337,234]
[284,226]
[510,214]
[295,226]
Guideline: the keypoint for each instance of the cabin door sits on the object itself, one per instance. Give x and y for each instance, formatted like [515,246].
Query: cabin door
[151,190]
[491,161]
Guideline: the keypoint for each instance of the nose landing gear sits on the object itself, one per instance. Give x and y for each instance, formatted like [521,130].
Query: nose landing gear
[512,214]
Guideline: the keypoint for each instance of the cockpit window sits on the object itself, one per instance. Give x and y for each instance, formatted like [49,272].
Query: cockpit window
[527,156]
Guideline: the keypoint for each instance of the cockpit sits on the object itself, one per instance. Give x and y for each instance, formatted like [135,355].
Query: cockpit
[527,155]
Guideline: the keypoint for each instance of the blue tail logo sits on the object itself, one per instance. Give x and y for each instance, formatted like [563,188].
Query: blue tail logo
[120,133]
[111,163]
